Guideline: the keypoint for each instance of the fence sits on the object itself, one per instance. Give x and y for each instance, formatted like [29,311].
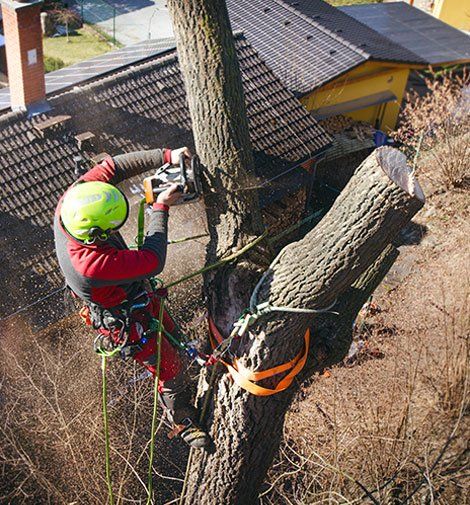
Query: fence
[98,11]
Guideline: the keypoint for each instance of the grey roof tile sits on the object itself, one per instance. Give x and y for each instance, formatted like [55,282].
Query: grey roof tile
[309,42]
[428,37]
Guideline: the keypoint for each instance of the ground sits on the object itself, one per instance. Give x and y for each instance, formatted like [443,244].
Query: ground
[130,22]
[394,416]
[83,45]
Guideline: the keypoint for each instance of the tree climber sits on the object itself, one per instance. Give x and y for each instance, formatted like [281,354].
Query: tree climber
[101,270]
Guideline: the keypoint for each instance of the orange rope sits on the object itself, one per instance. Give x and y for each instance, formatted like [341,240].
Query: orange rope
[245,378]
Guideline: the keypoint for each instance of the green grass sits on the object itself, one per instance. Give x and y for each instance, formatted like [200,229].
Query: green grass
[342,3]
[83,45]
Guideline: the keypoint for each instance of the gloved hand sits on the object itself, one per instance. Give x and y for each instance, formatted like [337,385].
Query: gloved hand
[175,155]
[170,196]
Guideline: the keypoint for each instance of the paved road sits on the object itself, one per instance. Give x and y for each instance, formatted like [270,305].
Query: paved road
[135,20]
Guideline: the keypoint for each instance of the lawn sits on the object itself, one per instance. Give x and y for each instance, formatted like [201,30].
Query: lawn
[84,44]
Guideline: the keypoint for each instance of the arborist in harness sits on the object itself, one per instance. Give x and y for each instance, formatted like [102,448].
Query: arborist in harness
[101,270]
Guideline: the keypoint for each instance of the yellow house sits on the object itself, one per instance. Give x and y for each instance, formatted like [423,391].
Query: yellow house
[354,60]
[453,12]
[371,92]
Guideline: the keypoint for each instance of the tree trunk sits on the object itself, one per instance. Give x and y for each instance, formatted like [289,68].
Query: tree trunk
[380,199]
[209,64]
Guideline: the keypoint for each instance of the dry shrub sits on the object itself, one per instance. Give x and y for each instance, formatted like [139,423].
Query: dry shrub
[51,435]
[437,124]
[393,430]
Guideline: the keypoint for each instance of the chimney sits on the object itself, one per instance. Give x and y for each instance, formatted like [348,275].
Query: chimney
[23,40]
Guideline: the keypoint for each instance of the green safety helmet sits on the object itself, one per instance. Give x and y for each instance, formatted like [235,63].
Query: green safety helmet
[91,210]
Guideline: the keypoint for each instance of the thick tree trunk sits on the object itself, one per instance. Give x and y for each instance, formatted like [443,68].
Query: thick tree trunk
[206,52]
[380,199]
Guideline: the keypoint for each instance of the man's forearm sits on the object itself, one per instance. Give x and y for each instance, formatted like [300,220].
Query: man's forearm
[138,162]
[157,233]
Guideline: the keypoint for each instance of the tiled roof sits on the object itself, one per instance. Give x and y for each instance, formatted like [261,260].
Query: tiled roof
[423,34]
[309,42]
[139,108]
[93,68]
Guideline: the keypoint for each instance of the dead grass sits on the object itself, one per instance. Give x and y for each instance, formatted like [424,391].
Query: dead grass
[51,448]
[394,428]
[435,130]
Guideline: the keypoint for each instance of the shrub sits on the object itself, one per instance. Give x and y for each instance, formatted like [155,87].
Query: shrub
[438,124]
[51,64]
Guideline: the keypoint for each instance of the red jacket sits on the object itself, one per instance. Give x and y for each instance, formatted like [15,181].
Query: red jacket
[109,273]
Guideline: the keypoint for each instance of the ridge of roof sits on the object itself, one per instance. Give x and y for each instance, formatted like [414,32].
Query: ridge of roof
[322,28]
[408,55]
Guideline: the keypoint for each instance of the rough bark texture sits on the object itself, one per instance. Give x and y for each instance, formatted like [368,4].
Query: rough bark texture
[311,273]
[211,73]
[379,200]
[333,334]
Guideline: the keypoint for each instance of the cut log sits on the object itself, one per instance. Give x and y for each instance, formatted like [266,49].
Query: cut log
[312,273]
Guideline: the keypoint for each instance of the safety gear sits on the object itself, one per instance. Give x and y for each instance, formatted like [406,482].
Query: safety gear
[189,431]
[91,210]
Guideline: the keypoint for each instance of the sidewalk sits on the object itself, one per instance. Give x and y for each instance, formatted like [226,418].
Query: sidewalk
[129,21]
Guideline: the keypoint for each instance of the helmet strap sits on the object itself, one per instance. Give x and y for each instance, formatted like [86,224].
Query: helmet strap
[96,233]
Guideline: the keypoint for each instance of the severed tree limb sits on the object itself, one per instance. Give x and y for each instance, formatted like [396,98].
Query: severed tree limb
[332,334]
[378,202]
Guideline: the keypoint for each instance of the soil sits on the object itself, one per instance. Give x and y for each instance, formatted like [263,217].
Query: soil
[386,413]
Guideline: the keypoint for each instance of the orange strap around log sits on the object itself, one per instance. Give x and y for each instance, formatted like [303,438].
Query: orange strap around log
[245,377]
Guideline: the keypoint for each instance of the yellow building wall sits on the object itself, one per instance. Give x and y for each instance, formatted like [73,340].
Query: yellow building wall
[453,12]
[365,80]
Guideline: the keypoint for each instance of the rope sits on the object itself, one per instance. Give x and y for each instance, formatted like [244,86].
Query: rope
[221,262]
[106,429]
[141,223]
[201,420]
[155,401]
[187,239]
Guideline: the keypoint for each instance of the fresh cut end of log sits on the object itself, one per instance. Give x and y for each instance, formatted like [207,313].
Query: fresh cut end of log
[393,163]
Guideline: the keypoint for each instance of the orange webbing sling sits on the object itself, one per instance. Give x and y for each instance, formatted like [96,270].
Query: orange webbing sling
[245,377]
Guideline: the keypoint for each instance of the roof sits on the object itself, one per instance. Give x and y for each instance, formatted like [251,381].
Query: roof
[90,70]
[428,37]
[309,42]
[141,107]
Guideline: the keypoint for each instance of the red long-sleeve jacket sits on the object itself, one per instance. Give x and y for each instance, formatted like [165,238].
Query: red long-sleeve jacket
[108,273]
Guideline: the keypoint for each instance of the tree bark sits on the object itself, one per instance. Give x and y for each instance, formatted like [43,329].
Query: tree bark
[380,199]
[211,73]
[333,334]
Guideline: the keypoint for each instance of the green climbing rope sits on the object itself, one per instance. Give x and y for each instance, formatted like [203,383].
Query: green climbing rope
[141,223]
[155,401]
[106,429]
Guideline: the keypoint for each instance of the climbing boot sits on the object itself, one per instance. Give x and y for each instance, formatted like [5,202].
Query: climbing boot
[175,397]
[191,433]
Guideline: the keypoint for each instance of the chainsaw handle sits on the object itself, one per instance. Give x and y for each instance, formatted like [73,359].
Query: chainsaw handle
[184,176]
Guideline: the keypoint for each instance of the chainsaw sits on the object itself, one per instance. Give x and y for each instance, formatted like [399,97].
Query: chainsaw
[188,180]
